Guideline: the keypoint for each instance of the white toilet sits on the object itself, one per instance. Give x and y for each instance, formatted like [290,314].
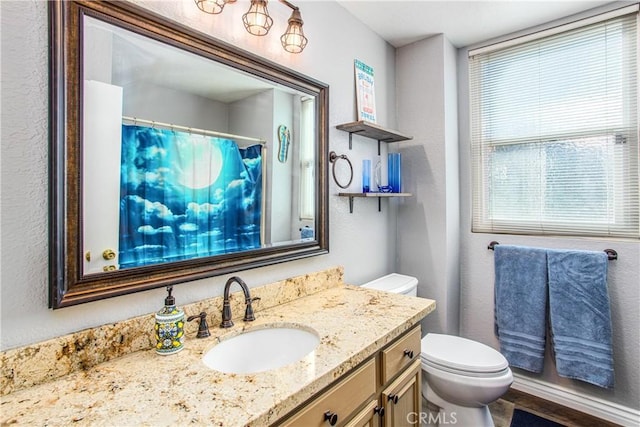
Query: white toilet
[459,375]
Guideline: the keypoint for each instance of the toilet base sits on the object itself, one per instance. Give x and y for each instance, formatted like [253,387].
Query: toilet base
[456,415]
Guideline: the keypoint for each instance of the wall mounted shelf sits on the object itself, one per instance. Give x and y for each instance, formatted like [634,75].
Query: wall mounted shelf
[373,131]
[380,196]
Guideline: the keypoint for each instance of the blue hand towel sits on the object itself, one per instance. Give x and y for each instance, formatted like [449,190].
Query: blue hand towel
[520,304]
[580,315]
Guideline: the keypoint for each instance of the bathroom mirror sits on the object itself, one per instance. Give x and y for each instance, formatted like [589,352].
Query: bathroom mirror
[174,156]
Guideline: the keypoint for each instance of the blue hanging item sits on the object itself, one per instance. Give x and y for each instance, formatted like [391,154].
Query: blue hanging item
[186,196]
[284,137]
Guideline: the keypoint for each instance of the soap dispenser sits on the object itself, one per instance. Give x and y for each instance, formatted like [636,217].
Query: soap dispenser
[169,329]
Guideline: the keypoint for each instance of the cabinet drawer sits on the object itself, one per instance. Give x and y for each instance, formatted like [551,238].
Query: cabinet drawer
[399,355]
[341,400]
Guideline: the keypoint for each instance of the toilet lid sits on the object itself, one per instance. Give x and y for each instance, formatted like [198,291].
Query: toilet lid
[461,354]
[394,282]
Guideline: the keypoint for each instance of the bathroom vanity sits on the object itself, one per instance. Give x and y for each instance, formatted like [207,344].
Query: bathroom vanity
[111,375]
[386,386]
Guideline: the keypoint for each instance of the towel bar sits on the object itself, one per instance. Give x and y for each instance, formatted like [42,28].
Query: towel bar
[611,253]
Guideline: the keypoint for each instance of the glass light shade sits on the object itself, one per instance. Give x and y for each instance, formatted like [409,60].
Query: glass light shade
[212,6]
[257,20]
[293,40]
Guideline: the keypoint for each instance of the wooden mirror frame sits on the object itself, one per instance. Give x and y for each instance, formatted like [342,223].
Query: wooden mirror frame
[67,284]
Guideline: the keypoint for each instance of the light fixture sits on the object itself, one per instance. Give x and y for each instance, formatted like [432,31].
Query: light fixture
[212,6]
[258,22]
[293,40]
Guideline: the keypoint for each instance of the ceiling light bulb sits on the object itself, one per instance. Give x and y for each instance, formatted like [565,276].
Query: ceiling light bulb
[293,40]
[212,6]
[257,20]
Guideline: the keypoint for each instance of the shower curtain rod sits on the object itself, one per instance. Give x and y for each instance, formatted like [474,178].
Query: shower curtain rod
[192,130]
[611,253]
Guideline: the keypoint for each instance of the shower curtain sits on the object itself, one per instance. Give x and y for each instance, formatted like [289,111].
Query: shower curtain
[186,196]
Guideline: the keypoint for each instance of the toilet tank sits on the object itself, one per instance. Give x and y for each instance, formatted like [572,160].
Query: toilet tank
[395,283]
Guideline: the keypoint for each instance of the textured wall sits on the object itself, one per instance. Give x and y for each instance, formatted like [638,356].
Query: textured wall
[428,224]
[362,242]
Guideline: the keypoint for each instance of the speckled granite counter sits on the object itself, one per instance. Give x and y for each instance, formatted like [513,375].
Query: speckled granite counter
[143,388]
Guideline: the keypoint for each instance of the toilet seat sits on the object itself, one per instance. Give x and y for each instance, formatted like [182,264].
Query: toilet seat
[461,356]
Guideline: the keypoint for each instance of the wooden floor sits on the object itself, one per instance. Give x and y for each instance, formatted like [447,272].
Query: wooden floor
[502,411]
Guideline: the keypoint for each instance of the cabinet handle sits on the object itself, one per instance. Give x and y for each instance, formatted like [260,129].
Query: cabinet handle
[394,398]
[409,353]
[379,410]
[331,417]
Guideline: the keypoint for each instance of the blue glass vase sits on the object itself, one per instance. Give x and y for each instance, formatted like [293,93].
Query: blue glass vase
[395,172]
[366,176]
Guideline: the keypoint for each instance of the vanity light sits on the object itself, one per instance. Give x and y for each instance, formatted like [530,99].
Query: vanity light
[293,40]
[212,6]
[258,22]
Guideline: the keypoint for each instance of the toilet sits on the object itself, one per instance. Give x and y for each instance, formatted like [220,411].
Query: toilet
[459,376]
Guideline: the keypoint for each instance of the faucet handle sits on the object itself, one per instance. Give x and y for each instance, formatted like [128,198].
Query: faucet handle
[203,328]
[248,313]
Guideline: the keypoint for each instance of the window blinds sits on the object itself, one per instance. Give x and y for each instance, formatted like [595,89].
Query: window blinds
[554,132]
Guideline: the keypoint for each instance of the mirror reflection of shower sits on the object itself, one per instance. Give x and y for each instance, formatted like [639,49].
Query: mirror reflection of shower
[169,186]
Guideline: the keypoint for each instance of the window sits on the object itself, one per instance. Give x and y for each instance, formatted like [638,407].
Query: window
[307,145]
[554,131]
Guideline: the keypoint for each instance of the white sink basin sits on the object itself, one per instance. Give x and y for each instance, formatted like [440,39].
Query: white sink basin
[261,350]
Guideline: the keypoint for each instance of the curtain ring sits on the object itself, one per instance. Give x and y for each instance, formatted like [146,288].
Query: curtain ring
[333,158]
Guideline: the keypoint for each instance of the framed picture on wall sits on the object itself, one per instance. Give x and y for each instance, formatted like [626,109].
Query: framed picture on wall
[365,93]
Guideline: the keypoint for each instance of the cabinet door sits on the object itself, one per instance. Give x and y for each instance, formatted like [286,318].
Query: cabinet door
[401,399]
[367,417]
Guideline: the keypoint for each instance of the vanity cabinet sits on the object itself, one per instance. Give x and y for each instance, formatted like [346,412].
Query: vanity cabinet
[384,391]
[339,402]
[401,400]
[369,416]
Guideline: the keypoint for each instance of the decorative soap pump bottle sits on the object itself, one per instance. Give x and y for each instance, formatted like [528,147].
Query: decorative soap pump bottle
[169,329]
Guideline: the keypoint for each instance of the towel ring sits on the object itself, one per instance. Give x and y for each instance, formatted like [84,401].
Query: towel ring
[333,158]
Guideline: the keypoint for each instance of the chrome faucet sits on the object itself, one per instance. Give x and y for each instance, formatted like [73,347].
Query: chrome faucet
[226,306]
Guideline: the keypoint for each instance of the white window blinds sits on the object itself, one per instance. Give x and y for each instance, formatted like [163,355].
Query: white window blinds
[554,132]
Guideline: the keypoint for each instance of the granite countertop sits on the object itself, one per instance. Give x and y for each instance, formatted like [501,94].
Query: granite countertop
[143,388]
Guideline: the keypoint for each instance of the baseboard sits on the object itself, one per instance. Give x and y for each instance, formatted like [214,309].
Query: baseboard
[594,406]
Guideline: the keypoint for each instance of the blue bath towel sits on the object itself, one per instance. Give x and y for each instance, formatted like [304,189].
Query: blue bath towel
[520,304]
[580,316]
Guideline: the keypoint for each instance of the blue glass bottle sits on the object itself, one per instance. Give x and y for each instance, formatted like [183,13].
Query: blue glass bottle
[366,176]
[395,172]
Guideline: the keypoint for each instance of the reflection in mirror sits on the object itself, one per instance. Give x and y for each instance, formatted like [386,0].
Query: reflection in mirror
[195,161]
[181,175]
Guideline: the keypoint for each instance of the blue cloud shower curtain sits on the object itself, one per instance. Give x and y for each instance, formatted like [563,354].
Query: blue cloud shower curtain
[185,196]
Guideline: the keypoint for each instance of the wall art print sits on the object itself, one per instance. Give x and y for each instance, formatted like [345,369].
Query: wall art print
[186,196]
